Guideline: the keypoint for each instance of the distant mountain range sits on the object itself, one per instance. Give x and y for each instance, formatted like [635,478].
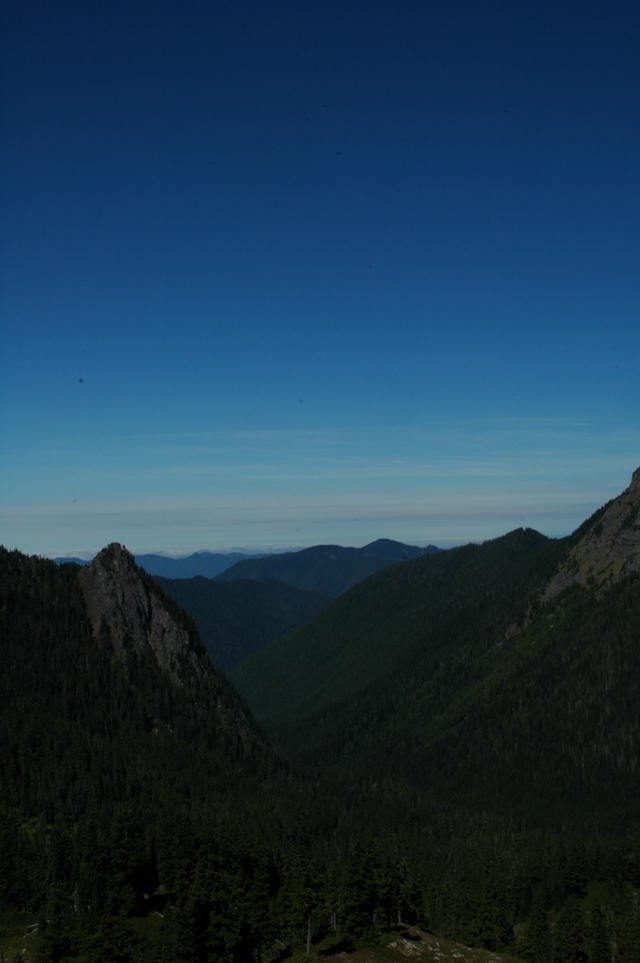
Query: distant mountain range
[207,564]
[73,559]
[327,569]
[308,569]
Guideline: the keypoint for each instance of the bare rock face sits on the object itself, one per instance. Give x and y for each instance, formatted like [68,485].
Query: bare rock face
[117,596]
[611,548]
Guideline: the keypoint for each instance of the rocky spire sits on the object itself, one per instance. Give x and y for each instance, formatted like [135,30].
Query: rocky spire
[120,598]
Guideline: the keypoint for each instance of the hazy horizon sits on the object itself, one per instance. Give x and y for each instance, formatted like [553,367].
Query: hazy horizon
[186,553]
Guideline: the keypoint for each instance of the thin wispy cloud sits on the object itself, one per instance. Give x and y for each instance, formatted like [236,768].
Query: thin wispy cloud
[448,482]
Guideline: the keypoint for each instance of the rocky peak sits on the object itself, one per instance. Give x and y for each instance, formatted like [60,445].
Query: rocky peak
[117,595]
[609,550]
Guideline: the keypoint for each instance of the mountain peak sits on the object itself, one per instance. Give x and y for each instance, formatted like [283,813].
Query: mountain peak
[609,550]
[122,600]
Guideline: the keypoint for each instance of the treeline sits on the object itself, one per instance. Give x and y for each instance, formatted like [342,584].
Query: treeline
[134,885]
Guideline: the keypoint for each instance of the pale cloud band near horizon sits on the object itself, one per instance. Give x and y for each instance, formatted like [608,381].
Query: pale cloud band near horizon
[445,484]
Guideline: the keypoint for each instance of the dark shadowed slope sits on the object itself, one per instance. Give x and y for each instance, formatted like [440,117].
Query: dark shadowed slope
[236,619]
[381,632]
[207,564]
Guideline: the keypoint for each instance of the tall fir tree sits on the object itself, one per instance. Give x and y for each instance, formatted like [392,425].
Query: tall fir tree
[569,944]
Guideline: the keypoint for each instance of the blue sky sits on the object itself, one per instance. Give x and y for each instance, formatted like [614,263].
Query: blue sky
[281,273]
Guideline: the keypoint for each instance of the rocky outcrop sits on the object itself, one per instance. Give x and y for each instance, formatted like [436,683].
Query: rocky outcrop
[118,598]
[129,612]
[609,551]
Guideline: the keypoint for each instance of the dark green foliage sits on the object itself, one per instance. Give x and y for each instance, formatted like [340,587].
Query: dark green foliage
[59,937]
[490,928]
[598,937]
[569,944]
[628,932]
[361,891]
[539,931]
[238,618]
[129,863]
[113,941]
[524,947]
[303,898]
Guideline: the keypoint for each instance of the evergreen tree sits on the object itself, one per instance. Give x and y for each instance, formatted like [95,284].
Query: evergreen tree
[301,898]
[569,935]
[489,927]
[598,938]
[176,939]
[411,897]
[361,891]
[57,941]
[114,941]
[539,931]
[525,949]
[629,937]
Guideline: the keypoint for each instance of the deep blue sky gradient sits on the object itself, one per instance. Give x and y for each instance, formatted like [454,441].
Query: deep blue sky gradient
[279,273]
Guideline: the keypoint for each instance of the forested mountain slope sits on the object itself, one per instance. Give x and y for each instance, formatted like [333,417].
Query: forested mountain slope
[119,745]
[98,665]
[461,671]
[236,619]
[327,569]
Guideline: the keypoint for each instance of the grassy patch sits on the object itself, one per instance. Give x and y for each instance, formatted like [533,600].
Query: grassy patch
[19,937]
